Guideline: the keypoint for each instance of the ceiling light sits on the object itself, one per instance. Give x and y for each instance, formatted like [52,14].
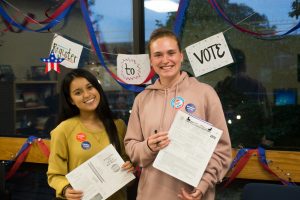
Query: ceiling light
[161,5]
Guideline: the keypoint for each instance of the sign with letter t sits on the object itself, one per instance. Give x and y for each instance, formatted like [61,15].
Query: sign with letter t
[209,54]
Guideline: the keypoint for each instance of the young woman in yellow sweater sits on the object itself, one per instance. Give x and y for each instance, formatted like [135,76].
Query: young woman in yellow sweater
[86,127]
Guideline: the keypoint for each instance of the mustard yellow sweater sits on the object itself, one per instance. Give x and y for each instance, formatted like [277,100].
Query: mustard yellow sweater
[67,151]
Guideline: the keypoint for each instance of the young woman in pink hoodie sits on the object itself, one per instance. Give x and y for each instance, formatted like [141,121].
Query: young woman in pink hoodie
[153,113]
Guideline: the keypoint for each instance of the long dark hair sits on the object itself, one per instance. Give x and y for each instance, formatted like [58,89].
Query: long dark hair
[68,110]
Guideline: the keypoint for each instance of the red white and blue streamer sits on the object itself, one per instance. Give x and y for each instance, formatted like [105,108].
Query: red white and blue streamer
[23,152]
[241,159]
[58,16]
[95,45]
[180,16]
[271,35]
[61,14]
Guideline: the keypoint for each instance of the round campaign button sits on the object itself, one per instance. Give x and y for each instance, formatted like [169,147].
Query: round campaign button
[190,108]
[86,145]
[177,102]
[81,137]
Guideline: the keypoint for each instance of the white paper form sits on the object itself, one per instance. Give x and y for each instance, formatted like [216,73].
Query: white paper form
[192,144]
[100,176]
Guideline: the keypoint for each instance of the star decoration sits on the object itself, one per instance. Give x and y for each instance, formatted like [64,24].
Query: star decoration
[52,63]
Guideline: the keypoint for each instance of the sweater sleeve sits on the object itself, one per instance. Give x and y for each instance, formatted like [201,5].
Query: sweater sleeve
[58,162]
[121,128]
[135,144]
[221,157]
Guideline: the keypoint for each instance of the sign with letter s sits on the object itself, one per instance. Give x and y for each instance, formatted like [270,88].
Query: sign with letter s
[70,51]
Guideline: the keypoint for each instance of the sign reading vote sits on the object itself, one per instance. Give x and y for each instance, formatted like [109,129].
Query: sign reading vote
[70,51]
[133,69]
[209,54]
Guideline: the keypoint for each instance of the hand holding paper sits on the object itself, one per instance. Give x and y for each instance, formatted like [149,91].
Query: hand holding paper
[100,176]
[192,144]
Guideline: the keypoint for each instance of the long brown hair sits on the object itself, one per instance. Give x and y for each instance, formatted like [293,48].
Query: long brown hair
[162,32]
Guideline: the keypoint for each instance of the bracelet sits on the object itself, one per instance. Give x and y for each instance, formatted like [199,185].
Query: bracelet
[64,190]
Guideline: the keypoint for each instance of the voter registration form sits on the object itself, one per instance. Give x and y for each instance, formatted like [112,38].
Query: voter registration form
[192,144]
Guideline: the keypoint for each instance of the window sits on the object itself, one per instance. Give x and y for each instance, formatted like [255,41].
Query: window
[248,89]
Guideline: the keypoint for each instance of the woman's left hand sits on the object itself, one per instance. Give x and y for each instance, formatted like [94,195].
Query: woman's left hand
[128,166]
[196,194]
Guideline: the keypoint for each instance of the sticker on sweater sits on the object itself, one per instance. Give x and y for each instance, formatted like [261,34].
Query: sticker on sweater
[190,108]
[81,137]
[177,102]
[86,145]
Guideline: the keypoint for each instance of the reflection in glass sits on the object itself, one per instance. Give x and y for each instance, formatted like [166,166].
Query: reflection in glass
[113,26]
[252,111]
[245,103]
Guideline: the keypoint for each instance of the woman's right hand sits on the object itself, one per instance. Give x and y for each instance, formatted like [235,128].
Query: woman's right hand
[72,194]
[158,141]
[128,166]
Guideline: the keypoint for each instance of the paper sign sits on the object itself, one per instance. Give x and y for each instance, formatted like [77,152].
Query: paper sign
[209,54]
[133,69]
[70,51]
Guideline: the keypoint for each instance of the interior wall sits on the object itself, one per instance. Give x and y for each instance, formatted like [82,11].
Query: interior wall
[22,50]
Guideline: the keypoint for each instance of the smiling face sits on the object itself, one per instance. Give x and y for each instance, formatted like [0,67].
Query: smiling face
[84,95]
[166,58]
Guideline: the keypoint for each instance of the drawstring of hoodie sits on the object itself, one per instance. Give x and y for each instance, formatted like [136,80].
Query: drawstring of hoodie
[158,86]
[162,116]
[176,92]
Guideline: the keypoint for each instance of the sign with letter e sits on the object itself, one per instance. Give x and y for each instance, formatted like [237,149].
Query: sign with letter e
[209,54]
[70,51]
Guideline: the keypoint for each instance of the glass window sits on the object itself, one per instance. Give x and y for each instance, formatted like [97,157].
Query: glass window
[157,13]
[259,92]
[113,26]
[29,103]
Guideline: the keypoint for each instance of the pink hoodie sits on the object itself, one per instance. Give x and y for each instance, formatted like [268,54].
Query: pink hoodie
[153,109]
